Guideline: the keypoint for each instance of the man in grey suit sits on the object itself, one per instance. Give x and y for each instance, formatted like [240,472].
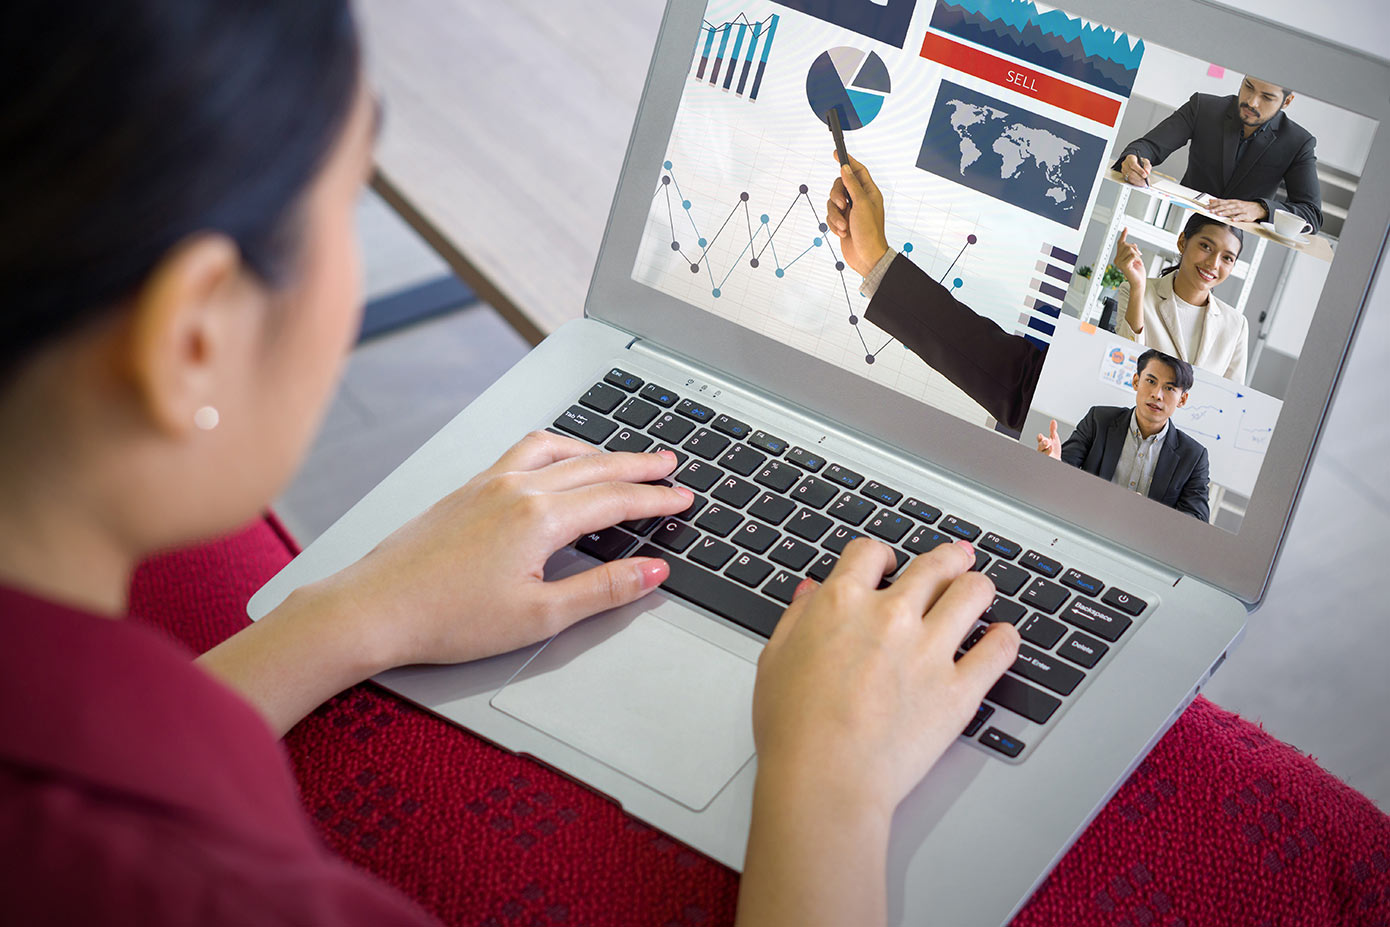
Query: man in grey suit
[1242,148]
[1138,447]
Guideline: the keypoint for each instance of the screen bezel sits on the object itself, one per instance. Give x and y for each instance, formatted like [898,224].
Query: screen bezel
[1239,563]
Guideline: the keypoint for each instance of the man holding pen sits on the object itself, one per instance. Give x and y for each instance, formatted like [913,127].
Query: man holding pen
[1241,148]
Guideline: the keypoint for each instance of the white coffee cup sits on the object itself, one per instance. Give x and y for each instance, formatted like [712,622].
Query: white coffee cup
[1290,224]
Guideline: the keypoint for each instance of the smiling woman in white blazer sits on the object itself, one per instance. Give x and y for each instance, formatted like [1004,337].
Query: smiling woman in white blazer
[1176,312]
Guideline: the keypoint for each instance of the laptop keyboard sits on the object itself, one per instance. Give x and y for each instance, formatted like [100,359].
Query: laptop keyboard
[767,514]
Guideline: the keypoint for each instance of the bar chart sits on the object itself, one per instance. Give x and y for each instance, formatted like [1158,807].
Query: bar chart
[732,51]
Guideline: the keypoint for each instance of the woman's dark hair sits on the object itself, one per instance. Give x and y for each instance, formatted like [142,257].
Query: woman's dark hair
[1195,223]
[126,127]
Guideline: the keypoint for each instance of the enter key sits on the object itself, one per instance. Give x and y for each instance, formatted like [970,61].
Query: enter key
[1046,670]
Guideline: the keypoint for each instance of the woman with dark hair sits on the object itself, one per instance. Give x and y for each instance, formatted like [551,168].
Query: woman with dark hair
[181,285]
[1177,312]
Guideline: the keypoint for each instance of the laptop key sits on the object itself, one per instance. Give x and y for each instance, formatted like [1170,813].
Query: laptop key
[1042,631]
[731,426]
[721,596]
[582,423]
[659,395]
[602,398]
[1000,546]
[839,538]
[735,492]
[696,504]
[1046,670]
[960,528]
[748,569]
[793,554]
[681,456]
[742,459]
[772,509]
[755,536]
[671,429]
[1022,699]
[808,525]
[1082,650]
[919,510]
[1124,601]
[623,380]
[705,443]
[766,442]
[675,536]
[852,509]
[693,410]
[981,561]
[608,544]
[805,459]
[1095,618]
[924,540]
[637,413]
[981,716]
[1040,564]
[1002,609]
[889,525]
[719,520]
[782,586]
[640,526]
[813,492]
[1006,744]
[820,570]
[1007,578]
[1044,596]
[1083,582]
[711,552]
[700,476]
[628,439]
[843,475]
[777,476]
[880,493]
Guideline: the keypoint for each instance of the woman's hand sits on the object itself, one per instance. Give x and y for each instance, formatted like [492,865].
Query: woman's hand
[1130,261]
[859,225]
[465,579]
[461,581]
[857,696]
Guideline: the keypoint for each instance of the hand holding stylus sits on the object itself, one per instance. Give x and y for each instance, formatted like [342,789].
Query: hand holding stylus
[859,226]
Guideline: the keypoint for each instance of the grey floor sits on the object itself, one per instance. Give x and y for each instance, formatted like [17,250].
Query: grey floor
[1311,668]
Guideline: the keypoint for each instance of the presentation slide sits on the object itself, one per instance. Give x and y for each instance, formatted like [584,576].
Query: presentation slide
[989,167]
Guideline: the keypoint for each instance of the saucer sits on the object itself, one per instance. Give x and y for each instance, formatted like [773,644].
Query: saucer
[1301,239]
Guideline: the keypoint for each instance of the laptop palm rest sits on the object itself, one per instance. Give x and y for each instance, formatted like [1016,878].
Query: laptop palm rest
[655,702]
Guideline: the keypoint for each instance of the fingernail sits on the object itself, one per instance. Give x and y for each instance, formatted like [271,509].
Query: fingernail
[803,587]
[667,453]
[653,572]
[686,494]
[966,546]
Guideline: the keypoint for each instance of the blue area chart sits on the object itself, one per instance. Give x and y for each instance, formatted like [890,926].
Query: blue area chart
[851,81]
[1057,41]
[762,233]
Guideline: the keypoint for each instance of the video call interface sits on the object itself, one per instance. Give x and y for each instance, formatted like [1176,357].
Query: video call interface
[1098,198]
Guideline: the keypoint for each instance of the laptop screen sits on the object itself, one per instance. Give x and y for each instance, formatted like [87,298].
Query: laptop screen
[1097,246]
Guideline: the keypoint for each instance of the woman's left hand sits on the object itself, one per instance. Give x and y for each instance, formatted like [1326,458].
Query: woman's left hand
[465,579]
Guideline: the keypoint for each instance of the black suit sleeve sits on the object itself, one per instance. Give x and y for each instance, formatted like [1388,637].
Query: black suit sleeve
[1076,447]
[1166,137]
[1193,498]
[998,370]
[1301,187]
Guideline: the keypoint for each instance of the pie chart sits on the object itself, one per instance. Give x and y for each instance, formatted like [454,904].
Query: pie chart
[850,80]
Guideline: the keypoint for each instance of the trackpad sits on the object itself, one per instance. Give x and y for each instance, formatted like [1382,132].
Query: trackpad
[652,701]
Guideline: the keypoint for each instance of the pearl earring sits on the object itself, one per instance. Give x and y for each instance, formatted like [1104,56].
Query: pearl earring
[206,418]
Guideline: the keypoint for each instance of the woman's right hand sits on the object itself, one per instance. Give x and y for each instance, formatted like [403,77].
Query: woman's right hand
[858,686]
[1130,261]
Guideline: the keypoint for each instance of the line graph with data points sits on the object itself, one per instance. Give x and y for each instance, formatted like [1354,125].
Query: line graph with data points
[762,239]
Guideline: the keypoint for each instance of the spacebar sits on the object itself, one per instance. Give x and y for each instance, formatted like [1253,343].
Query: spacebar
[716,593]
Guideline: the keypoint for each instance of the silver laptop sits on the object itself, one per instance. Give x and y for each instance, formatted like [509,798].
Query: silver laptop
[722,322]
